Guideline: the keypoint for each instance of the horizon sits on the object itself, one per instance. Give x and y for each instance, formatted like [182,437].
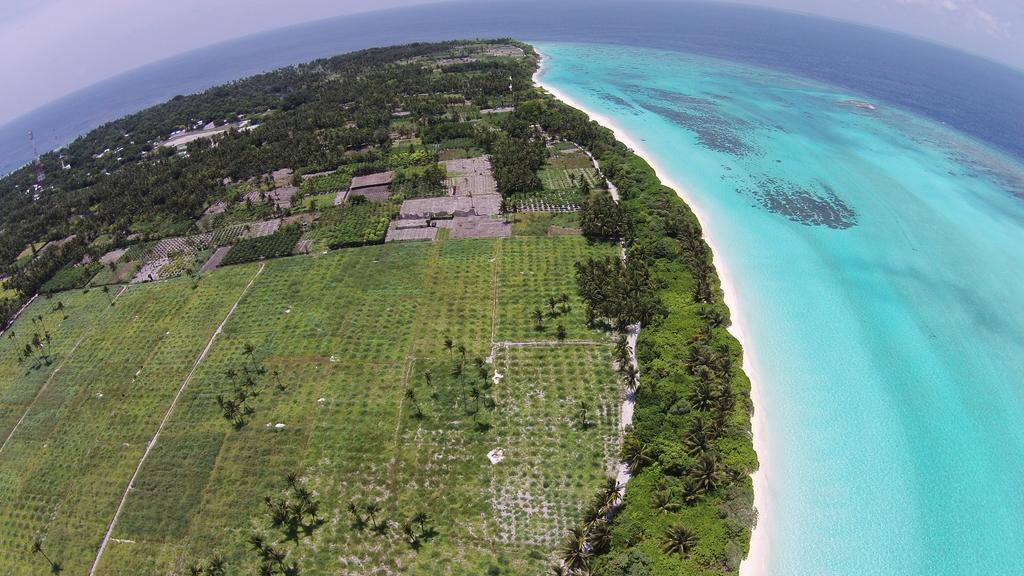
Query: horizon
[12,113]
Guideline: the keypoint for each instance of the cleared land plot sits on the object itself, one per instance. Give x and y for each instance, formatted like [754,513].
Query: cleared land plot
[397,234]
[216,258]
[470,177]
[345,334]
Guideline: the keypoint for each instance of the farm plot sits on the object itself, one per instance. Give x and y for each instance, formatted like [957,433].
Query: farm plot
[278,244]
[68,462]
[532,271]
[334,343]
[348,225]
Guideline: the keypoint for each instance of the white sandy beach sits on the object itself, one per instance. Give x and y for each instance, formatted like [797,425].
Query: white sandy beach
[756,562]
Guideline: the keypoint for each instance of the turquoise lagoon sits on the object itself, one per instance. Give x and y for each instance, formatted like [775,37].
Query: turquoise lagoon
[878,260]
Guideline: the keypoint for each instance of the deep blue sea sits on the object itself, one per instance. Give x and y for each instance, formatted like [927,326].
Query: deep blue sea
[875,255]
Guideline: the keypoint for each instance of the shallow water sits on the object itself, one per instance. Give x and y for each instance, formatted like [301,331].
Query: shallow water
[878,260]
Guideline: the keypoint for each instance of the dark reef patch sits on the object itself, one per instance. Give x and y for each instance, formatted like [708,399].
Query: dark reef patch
[620,102]
[820,207]
[698,115]
[713,132]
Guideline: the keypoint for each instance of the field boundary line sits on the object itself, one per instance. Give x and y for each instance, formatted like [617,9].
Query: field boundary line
[14,318]
[167,416]
[529,343]
[494,282]
[42,388]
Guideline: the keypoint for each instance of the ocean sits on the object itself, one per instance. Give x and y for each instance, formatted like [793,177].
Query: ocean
[874,263]
[874,252]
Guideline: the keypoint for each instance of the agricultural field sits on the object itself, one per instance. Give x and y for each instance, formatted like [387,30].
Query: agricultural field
[70,277]
[351,224]
[342,376]
[278,244]
[564,171]
[327,183]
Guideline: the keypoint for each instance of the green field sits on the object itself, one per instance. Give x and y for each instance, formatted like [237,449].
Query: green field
[337,340]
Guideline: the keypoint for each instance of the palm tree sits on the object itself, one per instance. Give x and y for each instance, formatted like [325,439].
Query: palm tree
[474,393]
[538,319]
[705,474]
[576,550]
[697,439]
[421,519]
[106,290]
[560,332]
[449,344]
[410,535]
[462,351]
[582,414]
[410,395]
[249,350]
[552,302]
[665,501]
[679,540]
[702,395]
[636,453]
[600,536]
[371,509]
[429,377]
[37,548]
[191,274]
[354,509]
[632,377]
[218,566]
[622,355]
[610,495]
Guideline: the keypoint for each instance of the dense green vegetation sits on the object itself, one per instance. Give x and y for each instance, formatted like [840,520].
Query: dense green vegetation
[355,223]
[280,243]
[689,507]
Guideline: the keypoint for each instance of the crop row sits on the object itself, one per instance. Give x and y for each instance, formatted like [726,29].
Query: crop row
[278,244]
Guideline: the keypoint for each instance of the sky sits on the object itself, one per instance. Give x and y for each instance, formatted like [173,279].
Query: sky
[50,48]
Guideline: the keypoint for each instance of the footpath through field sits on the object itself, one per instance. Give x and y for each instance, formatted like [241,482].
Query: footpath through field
[167,416]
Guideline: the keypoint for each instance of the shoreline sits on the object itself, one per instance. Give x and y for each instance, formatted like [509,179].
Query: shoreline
[755,563]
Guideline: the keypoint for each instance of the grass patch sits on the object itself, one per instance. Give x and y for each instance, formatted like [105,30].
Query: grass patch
[540,223]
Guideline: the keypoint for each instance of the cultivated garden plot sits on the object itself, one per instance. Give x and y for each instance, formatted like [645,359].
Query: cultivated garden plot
[87,429]
[331,353]
[534,270]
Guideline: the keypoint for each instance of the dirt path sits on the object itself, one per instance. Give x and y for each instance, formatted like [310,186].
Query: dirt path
[628,397]
[163,422]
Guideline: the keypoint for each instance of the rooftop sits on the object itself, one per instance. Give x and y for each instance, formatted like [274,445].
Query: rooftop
[378,179]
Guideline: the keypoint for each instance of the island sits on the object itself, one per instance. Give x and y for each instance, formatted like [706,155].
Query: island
[396,311]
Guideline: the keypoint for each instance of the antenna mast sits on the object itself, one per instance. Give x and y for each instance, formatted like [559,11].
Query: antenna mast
[40,173]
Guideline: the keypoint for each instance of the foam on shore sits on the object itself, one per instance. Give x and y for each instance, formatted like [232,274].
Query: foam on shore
[756,562]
